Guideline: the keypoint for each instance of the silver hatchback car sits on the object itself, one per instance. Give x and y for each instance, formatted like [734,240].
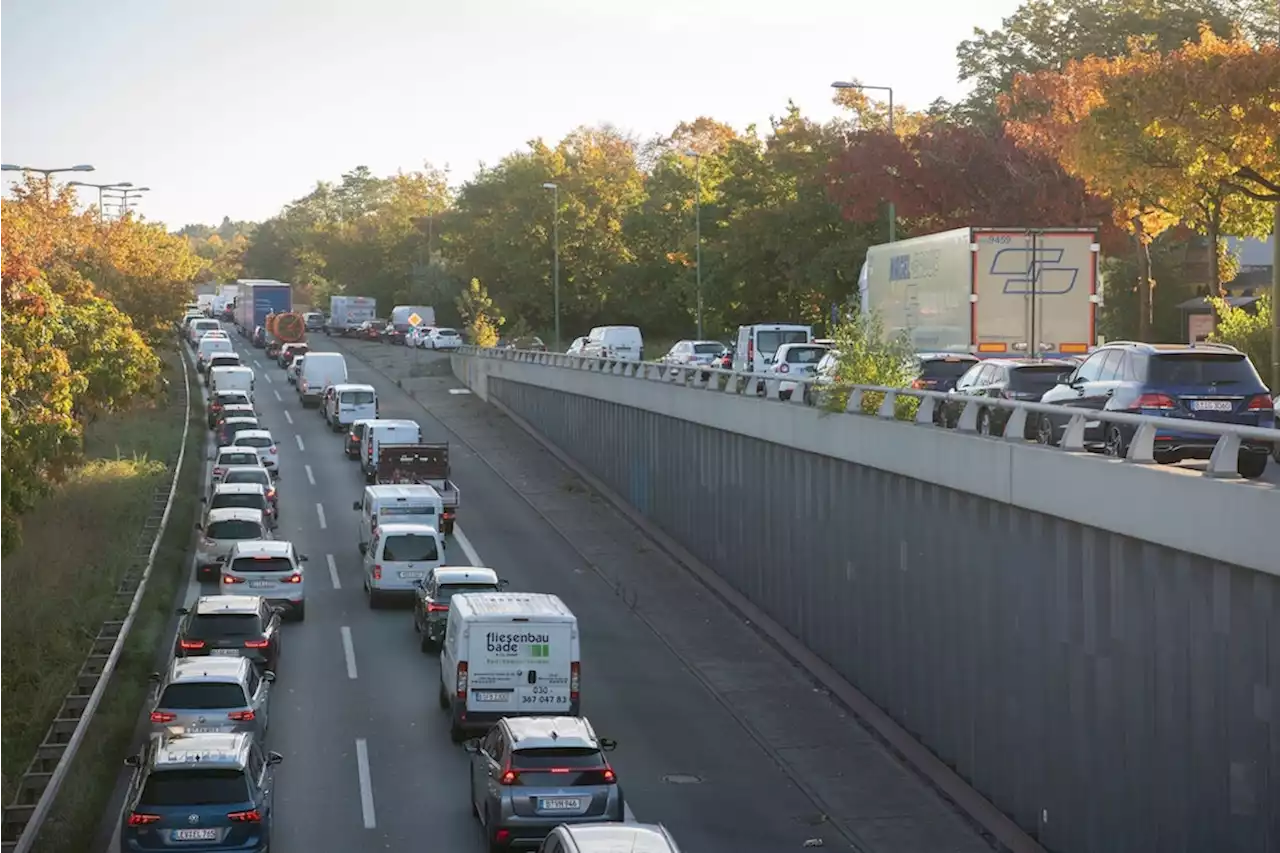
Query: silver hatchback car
[532,774]
[609,838]
[211,694]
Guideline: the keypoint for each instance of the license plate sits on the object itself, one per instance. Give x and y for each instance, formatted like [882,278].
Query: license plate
[559,804]
[224,651]
[484,696]
[1212,405]
[195,834]
[413,575]
[201,730]
[261,584]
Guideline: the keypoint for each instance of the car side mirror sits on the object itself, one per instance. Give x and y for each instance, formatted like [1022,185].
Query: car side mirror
[419,583]
[1064,378]
[183,611]
[355,505]
[364,548]
[155,676]
[274,758]
[199,526]
[503,584]
[269,677]
[204,500]
[279,611]
[608,744]
[303,558]
[472,746]
[133,761]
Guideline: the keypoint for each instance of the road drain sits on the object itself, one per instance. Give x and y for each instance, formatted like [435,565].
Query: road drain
[682,779]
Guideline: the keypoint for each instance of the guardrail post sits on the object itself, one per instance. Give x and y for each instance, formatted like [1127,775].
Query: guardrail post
[771,388]
[1225,459]
[731,383]
[924,414]
[1073,435]
[854,403]
[968,418]
[1142,446]
[798,394]
[713,381]
[888,406]
[1015,429]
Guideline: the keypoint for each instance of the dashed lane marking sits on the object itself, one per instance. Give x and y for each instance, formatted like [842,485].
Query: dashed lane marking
[320,513]
[349,652]
[366,784]
[301,446]
[333,571]
[288,417]
[311,478]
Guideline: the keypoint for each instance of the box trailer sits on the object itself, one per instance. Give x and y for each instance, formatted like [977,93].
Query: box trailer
[346,313]
[258,298]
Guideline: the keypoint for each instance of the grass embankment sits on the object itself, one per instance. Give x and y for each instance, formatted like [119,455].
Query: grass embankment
[59,587]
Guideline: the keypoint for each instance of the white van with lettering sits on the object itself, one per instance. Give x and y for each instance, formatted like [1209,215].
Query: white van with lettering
[508,654]
[394,504]
[348,404]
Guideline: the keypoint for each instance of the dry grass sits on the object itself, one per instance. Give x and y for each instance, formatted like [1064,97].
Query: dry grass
[58,587]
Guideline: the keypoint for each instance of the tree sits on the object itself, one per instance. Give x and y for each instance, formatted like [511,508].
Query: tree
[480,315]
[144,270]
[1249,332]
[867,356]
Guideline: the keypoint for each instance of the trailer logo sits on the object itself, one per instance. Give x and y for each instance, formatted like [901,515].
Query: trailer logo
[528,645]
[1034,271]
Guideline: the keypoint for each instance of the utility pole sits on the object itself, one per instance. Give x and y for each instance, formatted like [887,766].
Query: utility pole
[555,201]
[1275,300]
[697,207]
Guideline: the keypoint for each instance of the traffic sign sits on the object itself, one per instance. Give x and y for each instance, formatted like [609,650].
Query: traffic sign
[414,319]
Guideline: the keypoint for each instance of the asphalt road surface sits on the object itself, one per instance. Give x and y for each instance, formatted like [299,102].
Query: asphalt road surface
[368,760]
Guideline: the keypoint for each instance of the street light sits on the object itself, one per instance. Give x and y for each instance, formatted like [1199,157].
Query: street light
[555,201]
[127,195]
[697,218]
[9,167]
[100,188]
[893,216]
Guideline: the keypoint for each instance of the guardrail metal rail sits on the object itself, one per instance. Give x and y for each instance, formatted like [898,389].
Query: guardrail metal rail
[39,786]
[1140,450]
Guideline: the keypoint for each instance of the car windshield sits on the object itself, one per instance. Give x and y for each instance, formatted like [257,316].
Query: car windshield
[254,441]
[447,333]
[224,360]
[213,626]
[1202,369]
[448,591]
[357,398]
[245,458]
[248,565]
[248,476]
[234,528]
[558,767]
[805,355]
[708,349]
[409,548]
[1037,378]
[231,398]
[945,368]
[232,429]
[191,787]
[768,342]
[248,500]
[203,695]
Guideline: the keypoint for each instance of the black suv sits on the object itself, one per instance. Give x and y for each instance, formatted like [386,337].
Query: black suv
[242,625]
[1203,382]
[1026,379]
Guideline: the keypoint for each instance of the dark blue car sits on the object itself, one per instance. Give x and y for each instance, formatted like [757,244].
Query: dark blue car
[199,793]
[1202,382]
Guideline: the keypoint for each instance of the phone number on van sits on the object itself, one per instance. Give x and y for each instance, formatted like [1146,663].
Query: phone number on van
[544,699]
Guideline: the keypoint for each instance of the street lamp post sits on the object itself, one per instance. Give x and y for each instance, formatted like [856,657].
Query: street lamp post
[48,173]
[555,201]
[893,214]
[697,220]
[126,196]
[100,187]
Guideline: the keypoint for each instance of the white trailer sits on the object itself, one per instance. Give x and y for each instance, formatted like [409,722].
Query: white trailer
[988,291]
[346,313]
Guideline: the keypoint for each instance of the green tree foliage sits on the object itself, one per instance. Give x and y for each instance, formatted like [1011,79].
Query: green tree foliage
[480,315]
[1247,331]
[867,356]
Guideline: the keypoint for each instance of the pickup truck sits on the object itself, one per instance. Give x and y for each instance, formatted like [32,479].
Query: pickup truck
[424,464]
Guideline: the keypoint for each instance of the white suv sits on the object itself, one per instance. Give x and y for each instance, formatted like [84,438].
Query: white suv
[271,569]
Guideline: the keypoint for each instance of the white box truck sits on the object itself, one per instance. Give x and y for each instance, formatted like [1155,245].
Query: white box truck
[508,654]
[988,291]
[346,313]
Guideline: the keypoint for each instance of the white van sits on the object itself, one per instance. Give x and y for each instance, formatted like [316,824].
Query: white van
[508,654]
[398,557]
[197,328]
[758,344]
[208,345]
[231,379]
[623,343]
[387,431]
[319,371]
[396,504]
[348,404]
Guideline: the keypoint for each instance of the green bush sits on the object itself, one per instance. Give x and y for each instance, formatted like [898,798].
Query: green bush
[1249,332]
[867,356]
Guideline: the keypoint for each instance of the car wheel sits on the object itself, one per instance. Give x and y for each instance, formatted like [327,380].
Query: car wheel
[457,733]
[300,612]
[1251,466]
[1114,444]
[375,600]
[1044,431]
[443,698]
[984,422]
[490,827]
[424,642]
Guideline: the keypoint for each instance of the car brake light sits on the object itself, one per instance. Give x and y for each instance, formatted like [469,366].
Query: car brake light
[241,716]
[217,471]
[256,644]
[377,572]
[575,676]
[784,368]
[448,515]
[140,819]
[510,777]
[272,450]
[437,608]
[461,688]
[191,644]
[163,717]
[250,816]
[609,776]
[1154,401]
[917,384]
[1260,403]
[294,578]
[226,578]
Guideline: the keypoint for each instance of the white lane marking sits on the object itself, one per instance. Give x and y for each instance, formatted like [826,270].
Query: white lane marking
[301,446]
[333,571]
[459,390]
[366,784]
[267,376]
[467,548]
[320,512]
[257,364]
[311,478]
[348,651]
[278,397]
[288,417]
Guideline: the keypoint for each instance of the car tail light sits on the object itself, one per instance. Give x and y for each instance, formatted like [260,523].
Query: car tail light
[217,407]
[501,834]
[191,644]
[217,471]
[377,572]
[461,688]
[437,608]
[296,577]
[609,776]
[241,716]
[163,717]
[510,777]
[1260,403]
[250,816]
[784,368]
[140,819]
[1154,401]
[272,450]
[271,494]
[575,677]
[256,644]
[448,515]
[226,578]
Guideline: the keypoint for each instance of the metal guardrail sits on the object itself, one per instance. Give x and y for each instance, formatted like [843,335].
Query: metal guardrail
[1140,448]
[39,786]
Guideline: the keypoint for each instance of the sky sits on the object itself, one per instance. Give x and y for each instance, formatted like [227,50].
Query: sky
[237,107]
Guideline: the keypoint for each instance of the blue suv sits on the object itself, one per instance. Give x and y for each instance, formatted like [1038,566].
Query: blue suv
[201,793]
[1203,382]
